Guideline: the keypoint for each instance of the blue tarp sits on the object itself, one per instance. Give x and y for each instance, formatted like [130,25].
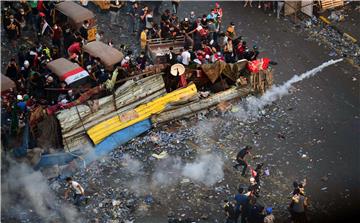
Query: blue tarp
[110,143]
[117,139]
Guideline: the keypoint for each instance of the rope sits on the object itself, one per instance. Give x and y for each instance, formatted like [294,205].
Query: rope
[82,123]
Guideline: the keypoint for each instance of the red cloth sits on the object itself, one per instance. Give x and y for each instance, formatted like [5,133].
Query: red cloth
[219,12]
[57,34]
[40,6]
[207,50]
[257,65]
[240,48]
[74,48]
[217,57]
[183,82]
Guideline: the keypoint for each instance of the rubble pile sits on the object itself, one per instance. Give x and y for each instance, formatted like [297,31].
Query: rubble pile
[339,43]
[122,186]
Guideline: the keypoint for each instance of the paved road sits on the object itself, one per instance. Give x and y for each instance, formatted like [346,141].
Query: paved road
[325,107]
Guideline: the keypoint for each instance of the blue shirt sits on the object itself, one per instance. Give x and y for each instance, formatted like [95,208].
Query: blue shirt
[241,199]
[22,106]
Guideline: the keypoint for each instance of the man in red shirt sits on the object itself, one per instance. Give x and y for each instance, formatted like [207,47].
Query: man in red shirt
[75,48]
[56,36]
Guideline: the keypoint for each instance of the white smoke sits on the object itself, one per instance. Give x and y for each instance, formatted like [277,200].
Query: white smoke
[250,108]
[206,169]
[26,189]
[133,166]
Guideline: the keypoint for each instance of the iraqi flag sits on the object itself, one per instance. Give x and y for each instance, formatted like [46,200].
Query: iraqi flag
[74,75]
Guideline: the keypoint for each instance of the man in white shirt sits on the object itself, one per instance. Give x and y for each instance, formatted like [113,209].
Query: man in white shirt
[185,56]
[78,190]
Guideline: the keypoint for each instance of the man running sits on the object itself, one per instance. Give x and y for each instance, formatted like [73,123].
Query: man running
[78,191]
[240,159]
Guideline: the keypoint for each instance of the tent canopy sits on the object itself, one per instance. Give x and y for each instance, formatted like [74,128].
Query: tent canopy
[108,55]
[6,83]
[75,12]
[61,66]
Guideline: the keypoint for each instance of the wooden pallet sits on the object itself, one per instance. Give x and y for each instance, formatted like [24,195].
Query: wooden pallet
[330,4]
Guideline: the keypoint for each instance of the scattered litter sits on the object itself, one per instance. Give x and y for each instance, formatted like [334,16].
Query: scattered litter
[162,155]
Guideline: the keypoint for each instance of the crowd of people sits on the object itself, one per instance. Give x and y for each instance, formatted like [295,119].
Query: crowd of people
[206,42]
[245,205]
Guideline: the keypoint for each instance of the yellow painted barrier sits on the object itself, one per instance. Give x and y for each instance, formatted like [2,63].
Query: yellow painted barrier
[100,131]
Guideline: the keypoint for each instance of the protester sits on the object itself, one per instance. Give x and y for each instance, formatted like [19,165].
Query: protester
[280,5]
[269,218]
[12,29]
[149,20]
[298,207]
[143,39]
[12,70]
[175,5]
[254,187]
[115,12]
[134,15]
[56,36]
[241,200]
[229,212]
[84,30]
[185,56]
[248,2]
[77,189]
[258,172]
[240,158]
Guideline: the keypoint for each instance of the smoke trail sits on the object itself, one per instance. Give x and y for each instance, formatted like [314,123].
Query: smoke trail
[249,110]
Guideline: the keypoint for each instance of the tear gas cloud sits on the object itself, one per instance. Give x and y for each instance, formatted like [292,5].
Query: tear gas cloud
[206,169]
[24,189]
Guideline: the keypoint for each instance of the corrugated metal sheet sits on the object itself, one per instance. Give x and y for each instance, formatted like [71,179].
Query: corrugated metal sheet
[101,131]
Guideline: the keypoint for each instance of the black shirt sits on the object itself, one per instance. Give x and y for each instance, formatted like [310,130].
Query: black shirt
[242,153]
[113,8]
[229,209]
[83,32]
[171,58]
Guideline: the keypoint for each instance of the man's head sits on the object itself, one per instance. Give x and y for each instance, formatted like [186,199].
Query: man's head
[240,190]
[26,64]
[11,17]
[252,180]
[186,48]
[68,180]
[232,24]
[167,12]
[171,48]
[248,148]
